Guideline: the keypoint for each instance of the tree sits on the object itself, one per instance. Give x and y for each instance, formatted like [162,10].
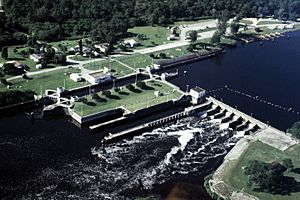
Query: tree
[265,176]
[10,69]
[106,93]
[234,27]
[141,84]
[162,56]
[288,163]
[295,130]
[193,35]
[130,87]
[4,53]
[216,38]
[80,47]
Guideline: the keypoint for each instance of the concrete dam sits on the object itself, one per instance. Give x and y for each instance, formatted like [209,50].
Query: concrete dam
[216,110]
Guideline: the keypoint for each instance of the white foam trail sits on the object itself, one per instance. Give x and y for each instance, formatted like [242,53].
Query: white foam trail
[185,137]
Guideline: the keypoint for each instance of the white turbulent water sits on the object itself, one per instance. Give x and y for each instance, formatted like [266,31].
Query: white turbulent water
[166,153]
[176,150]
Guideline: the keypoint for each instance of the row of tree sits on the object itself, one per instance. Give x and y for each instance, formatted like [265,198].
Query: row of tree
[107,20]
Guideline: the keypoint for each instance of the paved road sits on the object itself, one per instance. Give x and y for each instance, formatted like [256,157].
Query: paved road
[182,41]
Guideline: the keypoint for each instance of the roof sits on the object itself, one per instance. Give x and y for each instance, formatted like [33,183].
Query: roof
[198,89]
[98,74]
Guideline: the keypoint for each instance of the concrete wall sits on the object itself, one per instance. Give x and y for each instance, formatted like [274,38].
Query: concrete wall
[96,116]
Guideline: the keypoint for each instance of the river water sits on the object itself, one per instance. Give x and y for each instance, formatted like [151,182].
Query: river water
[55,159]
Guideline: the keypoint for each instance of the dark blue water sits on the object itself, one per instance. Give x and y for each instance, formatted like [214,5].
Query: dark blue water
[55,159]
[270,71]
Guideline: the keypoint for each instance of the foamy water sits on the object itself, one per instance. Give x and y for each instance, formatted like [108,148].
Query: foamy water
[131,166]
[153,158]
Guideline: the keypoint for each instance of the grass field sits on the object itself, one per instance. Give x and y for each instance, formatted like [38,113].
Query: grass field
[132,100]
[244,21]
[14,56]
[178,23]
[137,61]
[49,80]
[268,22]
[234,175]
[67,43]
[155,34]
[117,69]
[79,58]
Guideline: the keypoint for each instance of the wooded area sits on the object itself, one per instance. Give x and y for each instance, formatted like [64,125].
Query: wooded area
[106,20]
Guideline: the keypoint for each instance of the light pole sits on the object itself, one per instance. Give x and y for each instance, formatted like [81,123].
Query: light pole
[187,88]
[136,77]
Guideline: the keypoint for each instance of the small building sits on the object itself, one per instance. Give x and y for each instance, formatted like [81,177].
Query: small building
[131,43]
[36,57]
[158,93]
[39,66]
[76,77]
[172,37]
[18,65]
[99,76]
[198,95]
[104,47]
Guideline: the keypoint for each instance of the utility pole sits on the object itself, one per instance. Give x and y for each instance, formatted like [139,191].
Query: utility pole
[41,86]
[1,6]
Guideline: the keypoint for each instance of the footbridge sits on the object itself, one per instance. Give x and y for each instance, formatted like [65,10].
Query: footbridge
[58,101]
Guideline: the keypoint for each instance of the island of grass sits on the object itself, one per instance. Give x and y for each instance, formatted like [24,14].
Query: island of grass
[152,35]
[43,81]
[117,69]
[131,98]
[234,175]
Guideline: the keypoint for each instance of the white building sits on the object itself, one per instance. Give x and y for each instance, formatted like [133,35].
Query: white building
[131,43]
[99,76]
[35,57]
[198,95]
[39,66]
[102,47]
[76,77]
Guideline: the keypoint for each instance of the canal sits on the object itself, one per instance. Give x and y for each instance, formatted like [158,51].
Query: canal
[55,159]
[270,71]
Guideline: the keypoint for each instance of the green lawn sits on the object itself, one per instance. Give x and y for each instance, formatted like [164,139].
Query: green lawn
[14,56]
[117,69]
[234,175]
[131,100]
[50,80]
[156,34]
[67,43]
[244,21]
[79,58]
[137,61]
[268,22]
[178,23]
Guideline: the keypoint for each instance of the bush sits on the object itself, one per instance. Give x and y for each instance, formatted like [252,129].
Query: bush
[141,84]
[106,93]
[95,97]
[162,56]
[117,89]
[130,87]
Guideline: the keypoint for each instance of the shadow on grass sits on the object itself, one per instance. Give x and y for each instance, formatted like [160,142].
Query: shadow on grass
[287,186]
[146,87]
[114,97]
[90,103]
[17,59]
[135,90]
[100,100]
[296,170]
[158,85]
[124,93]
